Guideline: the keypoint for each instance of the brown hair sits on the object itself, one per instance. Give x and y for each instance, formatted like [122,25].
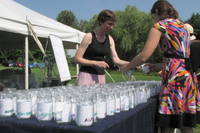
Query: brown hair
[106,15]
[163,9]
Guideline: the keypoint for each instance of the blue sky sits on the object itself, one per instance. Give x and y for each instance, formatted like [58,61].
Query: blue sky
[85,9]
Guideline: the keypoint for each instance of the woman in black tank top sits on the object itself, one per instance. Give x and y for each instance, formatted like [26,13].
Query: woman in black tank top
[93,49]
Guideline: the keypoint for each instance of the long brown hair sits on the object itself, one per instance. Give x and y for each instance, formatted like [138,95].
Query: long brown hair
[163,9]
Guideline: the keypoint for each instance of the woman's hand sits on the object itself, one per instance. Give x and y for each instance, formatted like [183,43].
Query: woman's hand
[147,68]
[101,64]
[123,68]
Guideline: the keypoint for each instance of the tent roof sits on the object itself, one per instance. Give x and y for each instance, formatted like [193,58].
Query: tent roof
[13,20]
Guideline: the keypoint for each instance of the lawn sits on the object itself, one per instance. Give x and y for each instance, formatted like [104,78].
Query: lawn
[115,74]
[119,77]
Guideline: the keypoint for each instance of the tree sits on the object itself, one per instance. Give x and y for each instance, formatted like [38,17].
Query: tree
[90,25]
[82,25]
[195,22]
[130,32]
[68,18]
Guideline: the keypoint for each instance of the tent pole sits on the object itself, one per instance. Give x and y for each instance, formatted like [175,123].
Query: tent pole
[77,65]
[26,63]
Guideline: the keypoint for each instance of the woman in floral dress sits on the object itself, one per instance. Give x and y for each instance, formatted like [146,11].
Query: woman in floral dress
[179,99]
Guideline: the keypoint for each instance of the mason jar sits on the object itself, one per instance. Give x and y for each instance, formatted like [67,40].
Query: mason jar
[23,105]
[67,108]
[101,106]
[124,100]
[6,104]
[110,104]
[44,107]
[117,102]
[84,112]
[62,108]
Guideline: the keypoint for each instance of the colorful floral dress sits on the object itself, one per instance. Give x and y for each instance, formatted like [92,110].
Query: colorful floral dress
[179,100]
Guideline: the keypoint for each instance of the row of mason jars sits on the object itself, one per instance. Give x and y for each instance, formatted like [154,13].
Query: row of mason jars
[82,104]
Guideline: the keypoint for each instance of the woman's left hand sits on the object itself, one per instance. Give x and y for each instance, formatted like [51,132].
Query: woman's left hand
[123,68]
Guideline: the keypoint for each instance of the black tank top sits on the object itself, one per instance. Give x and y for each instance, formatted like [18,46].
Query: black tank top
[96,51]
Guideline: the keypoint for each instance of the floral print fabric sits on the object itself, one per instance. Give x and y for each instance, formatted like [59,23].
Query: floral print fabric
[179,93]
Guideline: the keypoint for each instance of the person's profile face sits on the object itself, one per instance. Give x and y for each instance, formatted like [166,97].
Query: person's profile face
[108,25]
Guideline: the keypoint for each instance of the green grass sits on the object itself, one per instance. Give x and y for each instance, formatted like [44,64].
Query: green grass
[115,74]
[118,76]
[2,67]
[197,129]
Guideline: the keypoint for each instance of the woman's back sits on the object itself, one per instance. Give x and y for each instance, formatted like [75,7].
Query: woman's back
[175,38]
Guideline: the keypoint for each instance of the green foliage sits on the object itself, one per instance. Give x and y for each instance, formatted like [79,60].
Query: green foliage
[128,27]
[197,129]
[91,24]
[82,25]
[195,22]
[12,55]
[157,57]
[68,18]
[36,55]
[131,31]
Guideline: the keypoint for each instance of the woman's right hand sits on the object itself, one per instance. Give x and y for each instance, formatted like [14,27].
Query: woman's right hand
[101,64]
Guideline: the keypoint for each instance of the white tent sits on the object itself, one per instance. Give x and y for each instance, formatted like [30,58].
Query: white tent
[14,27]
[13,18]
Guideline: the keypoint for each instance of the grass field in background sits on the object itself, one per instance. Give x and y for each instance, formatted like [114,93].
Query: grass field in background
[116,75]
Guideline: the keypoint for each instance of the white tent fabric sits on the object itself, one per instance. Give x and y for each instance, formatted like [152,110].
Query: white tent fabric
[60,58]
[13,18]
[14,28]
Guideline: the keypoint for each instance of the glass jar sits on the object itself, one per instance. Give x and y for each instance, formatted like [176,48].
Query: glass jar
[101,106]
[44,107]
[84,112]
[66,112]
[6,104]
[110,104]
[62,108]
[117,102]
[23,105]
[124,100]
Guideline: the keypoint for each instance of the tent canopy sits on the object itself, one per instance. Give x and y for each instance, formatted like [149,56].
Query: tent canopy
[16,23]
[13,26]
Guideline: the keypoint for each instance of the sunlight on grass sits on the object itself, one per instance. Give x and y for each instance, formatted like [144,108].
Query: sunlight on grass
[118,77]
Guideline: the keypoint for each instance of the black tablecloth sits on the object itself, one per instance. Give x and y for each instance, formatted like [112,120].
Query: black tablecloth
[141,119]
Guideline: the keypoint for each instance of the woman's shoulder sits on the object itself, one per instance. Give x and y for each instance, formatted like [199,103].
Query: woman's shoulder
[87,39]
[88,36]
[168,22]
